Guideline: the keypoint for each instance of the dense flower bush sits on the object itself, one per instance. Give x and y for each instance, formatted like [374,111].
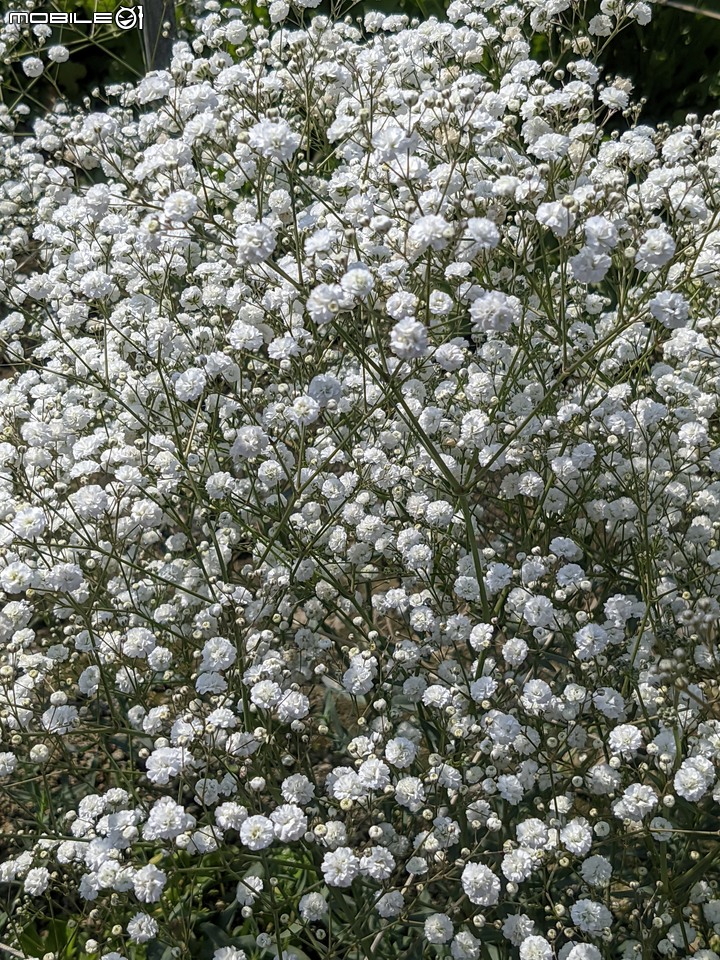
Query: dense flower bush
[360,475]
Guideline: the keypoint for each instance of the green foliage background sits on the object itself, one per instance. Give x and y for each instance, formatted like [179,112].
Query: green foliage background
[674,61]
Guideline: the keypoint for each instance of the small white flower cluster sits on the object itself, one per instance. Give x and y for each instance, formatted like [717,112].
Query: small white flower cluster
[360,474]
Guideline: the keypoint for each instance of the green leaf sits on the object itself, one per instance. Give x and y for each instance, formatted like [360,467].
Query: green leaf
[157,950]
[215,935]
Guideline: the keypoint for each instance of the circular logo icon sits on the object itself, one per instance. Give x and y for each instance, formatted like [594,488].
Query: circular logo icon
[126,18]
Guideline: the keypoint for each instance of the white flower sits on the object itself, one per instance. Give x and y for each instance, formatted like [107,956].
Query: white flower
[440,303]
[181,206]
[304,411]
[289,821]
[590,640]
[274,140]
[636,802]
[241,744]
[60,719]
[230,816]
[535,948]
[390,904]
[357,282]
[532,833]
[482,234]
[248,889]
[661,829]
[165,763]
[438,928]
[378,864]
[58,54]
[8,762]
[550,146]
[589,265]
[576,836]
[340,867]
[510,788]
[480,884]
[293,705]
[614,98]
[16,577]
[596,870]
[96,284]
[313,907]
[32,67]
[218,654]
[148,883]
[408,339]
[602,779]
[656,250]
[190,384]
[167,820]
[515,651]
[517,927]
[297,789]
[154,87]
[237,524]
[374,774]
[536,696]
[556,216]
[254,243]
[601,233]
[29,523]
[245,336]
[517,865]
[401,305]
[609,702]
[325,301]
[250,441]
[410,793]
[142,928]
[590,917]
[37,881]
[600,26]
[229,953]
[694,434]
[495,311]
[400,752]
[625,740]
[430,231]
[539,612]
[265,694]
[583,951]
[694,778]
[257,832]
[465,946]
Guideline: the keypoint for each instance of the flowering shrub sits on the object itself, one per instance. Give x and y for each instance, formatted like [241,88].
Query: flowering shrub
[361,485]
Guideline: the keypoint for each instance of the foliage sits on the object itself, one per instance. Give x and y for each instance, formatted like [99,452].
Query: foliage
[675,63]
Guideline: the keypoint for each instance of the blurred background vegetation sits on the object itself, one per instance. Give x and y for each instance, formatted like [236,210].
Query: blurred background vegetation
[674,61]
